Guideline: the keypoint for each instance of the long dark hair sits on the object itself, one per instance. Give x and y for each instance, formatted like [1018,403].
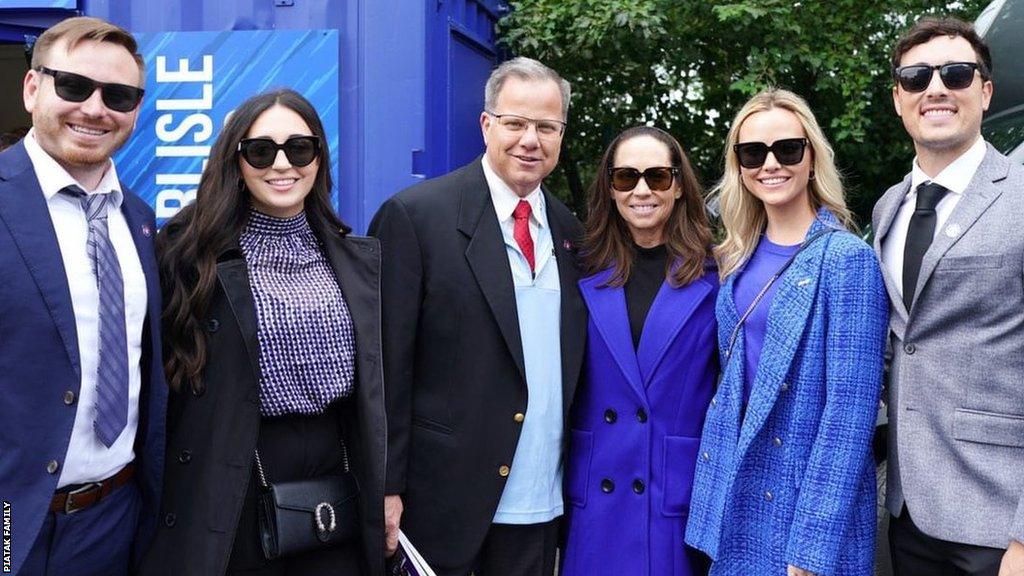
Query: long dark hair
[607,241]
[189,245]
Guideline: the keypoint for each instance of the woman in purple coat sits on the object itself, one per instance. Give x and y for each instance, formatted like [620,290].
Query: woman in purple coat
[651,363]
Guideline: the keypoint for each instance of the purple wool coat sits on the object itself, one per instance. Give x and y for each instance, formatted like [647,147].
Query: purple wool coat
[636,426]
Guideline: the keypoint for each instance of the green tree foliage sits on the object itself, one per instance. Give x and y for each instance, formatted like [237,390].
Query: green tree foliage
[688,65]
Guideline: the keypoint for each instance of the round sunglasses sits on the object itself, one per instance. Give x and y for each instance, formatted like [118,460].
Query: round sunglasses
[77,88]
[954,75]
[658,178]
[788,151]
[261,152]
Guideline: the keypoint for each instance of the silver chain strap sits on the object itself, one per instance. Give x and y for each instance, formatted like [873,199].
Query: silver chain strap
[263,477]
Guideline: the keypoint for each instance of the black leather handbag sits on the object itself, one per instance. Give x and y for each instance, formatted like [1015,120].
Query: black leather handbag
[305,515]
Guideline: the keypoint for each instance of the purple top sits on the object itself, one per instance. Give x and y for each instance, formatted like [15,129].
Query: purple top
[307,341]
[766,260]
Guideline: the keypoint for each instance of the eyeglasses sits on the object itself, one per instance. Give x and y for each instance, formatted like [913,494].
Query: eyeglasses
[77,88]
[261,152]
[658,178]
[954,75]
[518,124]
[788,151]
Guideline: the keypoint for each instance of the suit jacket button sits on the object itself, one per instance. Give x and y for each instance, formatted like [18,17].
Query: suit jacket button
[185,456]
[610,416]
[607,486]
[503,470]
[638,486]
[777,441]
[52,466]
[212,325]
[768,496]
[519,417]
[641,415]
[910,348]
[69,397]
[170,519]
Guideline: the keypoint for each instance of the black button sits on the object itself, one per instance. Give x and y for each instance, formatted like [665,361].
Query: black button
[910,348]
[199,392]
[641,415]
[170,519]
[610,416]
[607,486]
[185,456]
[638,486]
[212,325]
[69,397]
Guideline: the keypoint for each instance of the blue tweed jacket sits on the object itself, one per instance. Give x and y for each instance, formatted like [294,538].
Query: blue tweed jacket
[793,482]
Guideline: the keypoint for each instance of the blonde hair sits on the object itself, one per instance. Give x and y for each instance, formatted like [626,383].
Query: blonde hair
[75,30]
[743,215]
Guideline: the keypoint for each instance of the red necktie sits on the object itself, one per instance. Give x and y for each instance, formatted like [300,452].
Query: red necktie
[521,232]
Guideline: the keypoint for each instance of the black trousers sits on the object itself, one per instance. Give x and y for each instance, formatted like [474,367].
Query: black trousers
[293,448]
[915,553]
[514,550]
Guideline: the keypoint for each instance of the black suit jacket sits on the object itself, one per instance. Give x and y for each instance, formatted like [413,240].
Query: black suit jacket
[453,356]
[212,436]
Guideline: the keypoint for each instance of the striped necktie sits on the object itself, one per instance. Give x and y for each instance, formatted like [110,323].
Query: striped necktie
[112,372]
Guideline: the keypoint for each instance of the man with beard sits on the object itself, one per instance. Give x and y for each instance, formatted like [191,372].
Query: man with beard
[81,446]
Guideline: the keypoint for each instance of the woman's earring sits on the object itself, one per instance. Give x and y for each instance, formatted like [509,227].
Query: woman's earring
[811,176]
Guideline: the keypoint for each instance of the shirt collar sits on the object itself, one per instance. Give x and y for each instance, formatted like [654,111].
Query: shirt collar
[505,200]
[53,177]
[957,176]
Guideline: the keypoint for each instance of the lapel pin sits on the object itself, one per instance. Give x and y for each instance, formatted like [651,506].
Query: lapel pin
[953,230]
[803,282]
[146,230]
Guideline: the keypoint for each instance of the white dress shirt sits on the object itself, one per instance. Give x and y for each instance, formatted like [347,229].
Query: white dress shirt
[87,459]
[955,178]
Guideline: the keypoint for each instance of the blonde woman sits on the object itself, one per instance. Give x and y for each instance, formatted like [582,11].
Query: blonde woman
[785,478]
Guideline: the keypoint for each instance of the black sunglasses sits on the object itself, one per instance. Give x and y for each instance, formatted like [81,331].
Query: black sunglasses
[658,178]
[788,151]
[77,88]
[261,152]
[954,75]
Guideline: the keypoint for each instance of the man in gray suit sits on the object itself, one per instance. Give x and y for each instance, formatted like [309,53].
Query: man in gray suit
[952,248]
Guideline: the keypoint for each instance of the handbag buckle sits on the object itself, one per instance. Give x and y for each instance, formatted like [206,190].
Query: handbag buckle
[324,530]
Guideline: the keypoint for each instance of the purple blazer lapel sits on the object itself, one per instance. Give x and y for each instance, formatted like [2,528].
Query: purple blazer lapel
[671,308]
[607,306]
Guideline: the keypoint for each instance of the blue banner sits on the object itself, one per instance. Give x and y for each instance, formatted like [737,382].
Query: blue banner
[58,4]
[194,80]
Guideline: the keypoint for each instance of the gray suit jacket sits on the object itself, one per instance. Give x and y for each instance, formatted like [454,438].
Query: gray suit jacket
[956,386]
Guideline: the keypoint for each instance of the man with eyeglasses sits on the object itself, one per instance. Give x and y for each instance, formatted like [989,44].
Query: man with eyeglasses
[83,394]
[952,248]
[483,341]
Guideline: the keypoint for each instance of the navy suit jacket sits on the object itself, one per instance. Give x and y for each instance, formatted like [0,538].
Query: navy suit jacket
[39,359]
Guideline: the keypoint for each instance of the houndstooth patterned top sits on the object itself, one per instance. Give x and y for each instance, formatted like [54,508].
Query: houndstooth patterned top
[306,338]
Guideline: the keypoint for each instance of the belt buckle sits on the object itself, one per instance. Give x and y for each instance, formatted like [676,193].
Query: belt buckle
[84,489]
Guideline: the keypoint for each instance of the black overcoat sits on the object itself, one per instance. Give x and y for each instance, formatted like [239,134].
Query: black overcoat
[212,435]
[456,385]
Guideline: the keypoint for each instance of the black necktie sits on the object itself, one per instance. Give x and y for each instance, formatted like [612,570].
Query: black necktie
[919,236]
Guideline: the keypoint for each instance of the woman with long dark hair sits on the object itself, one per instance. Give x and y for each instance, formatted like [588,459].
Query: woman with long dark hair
[785,483]
[271,333]
[650,364]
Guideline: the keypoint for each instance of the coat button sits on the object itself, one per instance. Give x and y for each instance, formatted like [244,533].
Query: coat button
[519,417]
[198,393]
[768,496]
[785,386]
[910,348]
[503,470]
[610,416]
[638,486]
[714,402]
[185,456]
[170,519]
[607,486]
[641,415]
[69,397]
[706,456]
[212,325]
[52,466]
[777,441]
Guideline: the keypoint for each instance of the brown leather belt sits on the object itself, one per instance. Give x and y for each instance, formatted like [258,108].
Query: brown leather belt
[86,495]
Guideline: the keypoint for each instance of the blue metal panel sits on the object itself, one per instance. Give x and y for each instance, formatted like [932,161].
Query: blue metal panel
[54,4]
